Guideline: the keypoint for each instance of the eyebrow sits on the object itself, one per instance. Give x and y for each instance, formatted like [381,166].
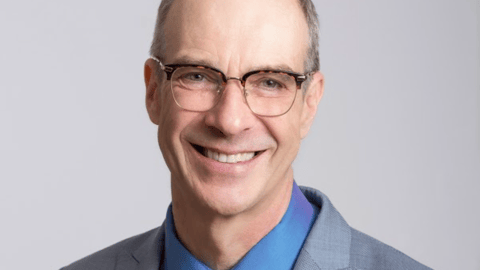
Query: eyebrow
[207,63]
[193,61]
[280,67]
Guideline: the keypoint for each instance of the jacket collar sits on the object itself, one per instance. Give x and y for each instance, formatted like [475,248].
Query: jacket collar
[149,255]
[328,244]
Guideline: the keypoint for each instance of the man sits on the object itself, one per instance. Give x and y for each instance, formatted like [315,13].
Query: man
[234,87]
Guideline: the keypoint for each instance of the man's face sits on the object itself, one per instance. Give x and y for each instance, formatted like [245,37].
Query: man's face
[234,37]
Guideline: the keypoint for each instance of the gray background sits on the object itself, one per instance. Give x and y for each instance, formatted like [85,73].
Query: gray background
[395,144]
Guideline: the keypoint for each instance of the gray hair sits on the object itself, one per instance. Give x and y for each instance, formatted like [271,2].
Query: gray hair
[312,63]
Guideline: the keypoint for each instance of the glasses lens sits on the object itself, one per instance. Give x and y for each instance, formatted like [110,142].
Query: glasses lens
[196,88]
[270,93]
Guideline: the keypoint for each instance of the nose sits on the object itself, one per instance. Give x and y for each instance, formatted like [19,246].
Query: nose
[231,116]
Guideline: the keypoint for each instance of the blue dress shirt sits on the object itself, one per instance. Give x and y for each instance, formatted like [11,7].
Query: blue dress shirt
[277,250]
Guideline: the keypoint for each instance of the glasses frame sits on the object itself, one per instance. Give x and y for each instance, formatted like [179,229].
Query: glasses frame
[299,79]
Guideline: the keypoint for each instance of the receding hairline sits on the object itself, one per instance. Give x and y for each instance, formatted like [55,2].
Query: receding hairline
[311,62]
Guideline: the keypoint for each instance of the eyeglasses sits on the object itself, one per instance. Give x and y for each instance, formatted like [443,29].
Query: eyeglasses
[199,88]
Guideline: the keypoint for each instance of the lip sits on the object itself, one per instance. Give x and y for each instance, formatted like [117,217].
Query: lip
[217,167]
[200,149]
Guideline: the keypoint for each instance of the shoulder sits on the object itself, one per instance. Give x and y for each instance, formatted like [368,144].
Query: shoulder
[121,252]
[333,244]
[367,252]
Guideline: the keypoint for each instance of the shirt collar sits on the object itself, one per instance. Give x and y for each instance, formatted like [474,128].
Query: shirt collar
[277,250]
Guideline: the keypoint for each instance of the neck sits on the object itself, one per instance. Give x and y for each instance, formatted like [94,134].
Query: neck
[222,241]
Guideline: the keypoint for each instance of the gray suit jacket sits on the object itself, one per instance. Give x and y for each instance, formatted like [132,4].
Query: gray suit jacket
[331,245]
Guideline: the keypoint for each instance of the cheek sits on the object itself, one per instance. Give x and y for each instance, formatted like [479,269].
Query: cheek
[173,124]
[169,129]
[166,140]
[170,123]
[286,132]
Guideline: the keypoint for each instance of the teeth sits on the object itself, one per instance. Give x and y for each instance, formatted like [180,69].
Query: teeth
[240,157]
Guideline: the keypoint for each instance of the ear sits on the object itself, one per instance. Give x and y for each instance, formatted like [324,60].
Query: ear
[311,98]
[152,98]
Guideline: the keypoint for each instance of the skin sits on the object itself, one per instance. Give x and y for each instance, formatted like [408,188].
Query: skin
[222,210]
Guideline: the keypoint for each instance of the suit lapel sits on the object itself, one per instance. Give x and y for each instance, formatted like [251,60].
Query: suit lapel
[327,247]
[149,255]
[305,262]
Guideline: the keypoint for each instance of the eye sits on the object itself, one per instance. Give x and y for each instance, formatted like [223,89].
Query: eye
[270,83]
[197,77]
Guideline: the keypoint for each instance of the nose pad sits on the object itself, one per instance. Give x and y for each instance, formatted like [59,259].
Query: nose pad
[242,86]
[242,83]
[230,116]
[235,78]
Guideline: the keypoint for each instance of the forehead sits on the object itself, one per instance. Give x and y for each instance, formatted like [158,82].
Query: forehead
[237,34]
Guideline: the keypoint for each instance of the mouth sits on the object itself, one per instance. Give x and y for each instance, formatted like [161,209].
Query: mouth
[226,158]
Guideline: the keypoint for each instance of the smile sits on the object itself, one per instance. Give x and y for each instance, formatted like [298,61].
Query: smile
[226,158]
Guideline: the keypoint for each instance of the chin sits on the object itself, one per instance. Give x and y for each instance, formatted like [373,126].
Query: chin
[229,200]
